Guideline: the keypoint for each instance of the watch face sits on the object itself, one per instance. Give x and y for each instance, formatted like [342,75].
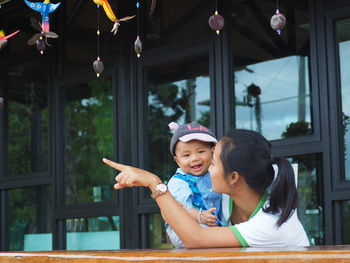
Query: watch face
[162,187]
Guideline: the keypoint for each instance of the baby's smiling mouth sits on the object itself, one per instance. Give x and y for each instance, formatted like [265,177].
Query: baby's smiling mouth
[196,167]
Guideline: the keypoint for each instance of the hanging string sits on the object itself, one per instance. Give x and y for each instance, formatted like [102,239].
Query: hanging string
[216,5]
[138,17]
[98,64]
[98,32]
[138,43]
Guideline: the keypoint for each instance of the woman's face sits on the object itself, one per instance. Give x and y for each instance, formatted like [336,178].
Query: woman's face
[216,170]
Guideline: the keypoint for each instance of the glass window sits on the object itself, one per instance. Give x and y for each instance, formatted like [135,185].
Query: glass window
[309,189]
[345,208]
[30,219]
[271,71]
[343,45]
[158,236]
[178,92]
[93,233]
[88,138]
[28,118]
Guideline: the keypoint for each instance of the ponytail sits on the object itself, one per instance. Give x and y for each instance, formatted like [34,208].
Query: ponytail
[249,153]
[283,194]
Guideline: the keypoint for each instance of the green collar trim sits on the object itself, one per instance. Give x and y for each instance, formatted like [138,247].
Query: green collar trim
[260,205]
[256,210]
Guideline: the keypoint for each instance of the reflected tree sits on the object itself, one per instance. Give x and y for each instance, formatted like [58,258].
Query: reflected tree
[167,103]
[309,209]
[89,138]
[345,124]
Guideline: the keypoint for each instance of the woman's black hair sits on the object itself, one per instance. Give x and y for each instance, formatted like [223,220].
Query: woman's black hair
[249,153]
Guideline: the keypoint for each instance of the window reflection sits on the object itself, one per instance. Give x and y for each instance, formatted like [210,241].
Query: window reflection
[310,203]
[30,219]
[178,92]
[345,209]
[271,71]
[88,138]
[93,233]
[343,41]
[28,118]
[158,236]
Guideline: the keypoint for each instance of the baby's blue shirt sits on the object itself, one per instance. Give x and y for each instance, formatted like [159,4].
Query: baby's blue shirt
[195,192]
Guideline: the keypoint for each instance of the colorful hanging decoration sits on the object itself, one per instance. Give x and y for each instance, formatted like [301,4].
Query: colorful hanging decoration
[40,39]
[138,43]
[98,64]
[278,21]
[3,38]
[216,21]
[110,14]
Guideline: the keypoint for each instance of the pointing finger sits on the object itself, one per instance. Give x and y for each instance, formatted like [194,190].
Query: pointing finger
[117,166]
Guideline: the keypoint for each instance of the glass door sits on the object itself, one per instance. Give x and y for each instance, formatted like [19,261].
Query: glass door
[174,89]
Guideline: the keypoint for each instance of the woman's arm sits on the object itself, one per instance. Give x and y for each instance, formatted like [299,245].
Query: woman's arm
[192,235]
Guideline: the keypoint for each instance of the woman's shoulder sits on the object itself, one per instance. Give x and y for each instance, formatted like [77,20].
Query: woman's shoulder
[263,226]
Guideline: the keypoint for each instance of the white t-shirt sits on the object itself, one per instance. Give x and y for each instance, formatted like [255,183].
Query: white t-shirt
[261,230]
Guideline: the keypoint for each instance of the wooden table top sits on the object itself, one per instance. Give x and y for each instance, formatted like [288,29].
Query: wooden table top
[319,254]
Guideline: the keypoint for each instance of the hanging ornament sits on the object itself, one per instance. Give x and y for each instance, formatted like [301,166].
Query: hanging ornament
[278,21]
[216,21]
[40,45]
[3,38]
[254,90]
[110,14]
[98,64]
[45,9]
[138,46]
[138,43]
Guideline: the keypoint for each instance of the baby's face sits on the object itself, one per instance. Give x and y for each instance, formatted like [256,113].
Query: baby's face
[194,157]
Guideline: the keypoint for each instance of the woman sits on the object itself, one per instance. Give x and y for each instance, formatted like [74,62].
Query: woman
[262,210]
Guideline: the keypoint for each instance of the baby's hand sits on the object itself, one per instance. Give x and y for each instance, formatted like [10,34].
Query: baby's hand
[207,218]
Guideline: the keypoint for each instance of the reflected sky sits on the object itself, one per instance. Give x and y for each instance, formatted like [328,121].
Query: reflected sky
[344,54]
[279,82]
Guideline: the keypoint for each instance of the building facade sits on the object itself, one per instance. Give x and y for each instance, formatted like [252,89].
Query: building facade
[58,120]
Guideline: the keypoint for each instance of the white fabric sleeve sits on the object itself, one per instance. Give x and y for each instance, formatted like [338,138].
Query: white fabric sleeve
[262,231]
[255,232]
[182,193]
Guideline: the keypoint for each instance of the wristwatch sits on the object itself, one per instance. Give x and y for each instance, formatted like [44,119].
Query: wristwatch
[160,189]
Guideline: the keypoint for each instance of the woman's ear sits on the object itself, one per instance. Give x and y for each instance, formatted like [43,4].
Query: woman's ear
[233,179]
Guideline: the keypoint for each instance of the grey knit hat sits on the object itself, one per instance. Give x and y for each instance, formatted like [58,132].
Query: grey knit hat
[188,132]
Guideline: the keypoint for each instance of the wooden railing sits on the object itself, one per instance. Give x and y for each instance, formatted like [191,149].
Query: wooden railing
[320,254]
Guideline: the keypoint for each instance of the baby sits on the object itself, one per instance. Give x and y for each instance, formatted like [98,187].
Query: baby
[192,147]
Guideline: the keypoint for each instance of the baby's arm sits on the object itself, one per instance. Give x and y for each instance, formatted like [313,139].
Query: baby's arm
[182,193]
[203,217]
